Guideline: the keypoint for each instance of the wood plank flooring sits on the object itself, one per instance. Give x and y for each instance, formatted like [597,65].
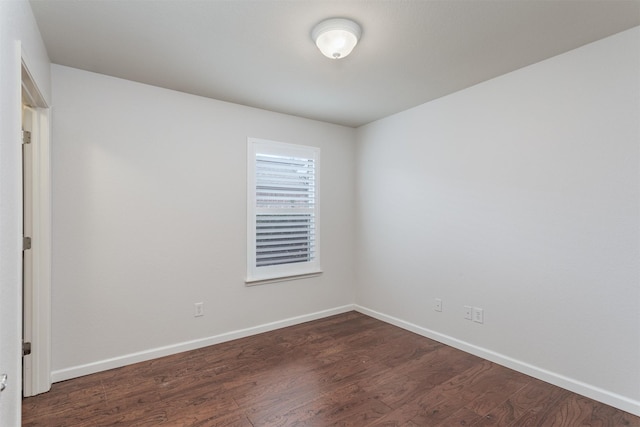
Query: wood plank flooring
[345,370]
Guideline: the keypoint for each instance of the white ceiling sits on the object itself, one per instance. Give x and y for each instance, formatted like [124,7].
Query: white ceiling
[260,53]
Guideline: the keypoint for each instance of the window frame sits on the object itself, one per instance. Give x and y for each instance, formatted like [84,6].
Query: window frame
[280,272]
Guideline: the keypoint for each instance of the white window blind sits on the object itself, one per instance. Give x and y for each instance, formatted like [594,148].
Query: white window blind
[283,210]
[285,199]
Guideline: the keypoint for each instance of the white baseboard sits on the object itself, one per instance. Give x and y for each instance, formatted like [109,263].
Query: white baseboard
[590,391]
[128,359]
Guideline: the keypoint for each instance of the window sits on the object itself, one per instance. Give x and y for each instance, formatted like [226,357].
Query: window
[282,210]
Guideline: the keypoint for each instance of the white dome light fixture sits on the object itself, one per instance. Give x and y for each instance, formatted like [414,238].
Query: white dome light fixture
[336,37]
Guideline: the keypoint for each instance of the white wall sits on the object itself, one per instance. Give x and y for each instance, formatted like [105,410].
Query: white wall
[520,196]
[149,217]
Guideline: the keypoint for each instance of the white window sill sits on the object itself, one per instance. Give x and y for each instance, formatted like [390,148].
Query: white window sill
[263,281]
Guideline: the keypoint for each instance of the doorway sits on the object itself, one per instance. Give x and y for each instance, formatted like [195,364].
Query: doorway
[36,265]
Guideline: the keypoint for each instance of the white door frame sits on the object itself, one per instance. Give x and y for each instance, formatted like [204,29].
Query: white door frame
[37,298]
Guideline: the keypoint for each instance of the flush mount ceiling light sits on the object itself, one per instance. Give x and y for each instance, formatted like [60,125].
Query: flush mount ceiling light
[336,37]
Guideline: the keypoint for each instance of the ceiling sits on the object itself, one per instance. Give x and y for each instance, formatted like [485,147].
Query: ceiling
[259,52]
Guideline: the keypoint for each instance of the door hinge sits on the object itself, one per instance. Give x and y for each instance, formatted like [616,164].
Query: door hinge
[26,348]
[26,243]
[26,137]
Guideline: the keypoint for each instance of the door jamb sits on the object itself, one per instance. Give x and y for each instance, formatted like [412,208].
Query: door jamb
[40,298]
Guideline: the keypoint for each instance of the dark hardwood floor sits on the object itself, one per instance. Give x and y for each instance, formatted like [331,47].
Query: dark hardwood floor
[347,370]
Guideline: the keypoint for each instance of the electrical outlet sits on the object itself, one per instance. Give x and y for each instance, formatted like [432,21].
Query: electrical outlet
[438,305]
[199,309]
[478,315]
[467,312]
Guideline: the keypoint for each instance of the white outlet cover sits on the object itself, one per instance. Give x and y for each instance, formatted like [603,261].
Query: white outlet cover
[199,306]
[467,312]
[478,315]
